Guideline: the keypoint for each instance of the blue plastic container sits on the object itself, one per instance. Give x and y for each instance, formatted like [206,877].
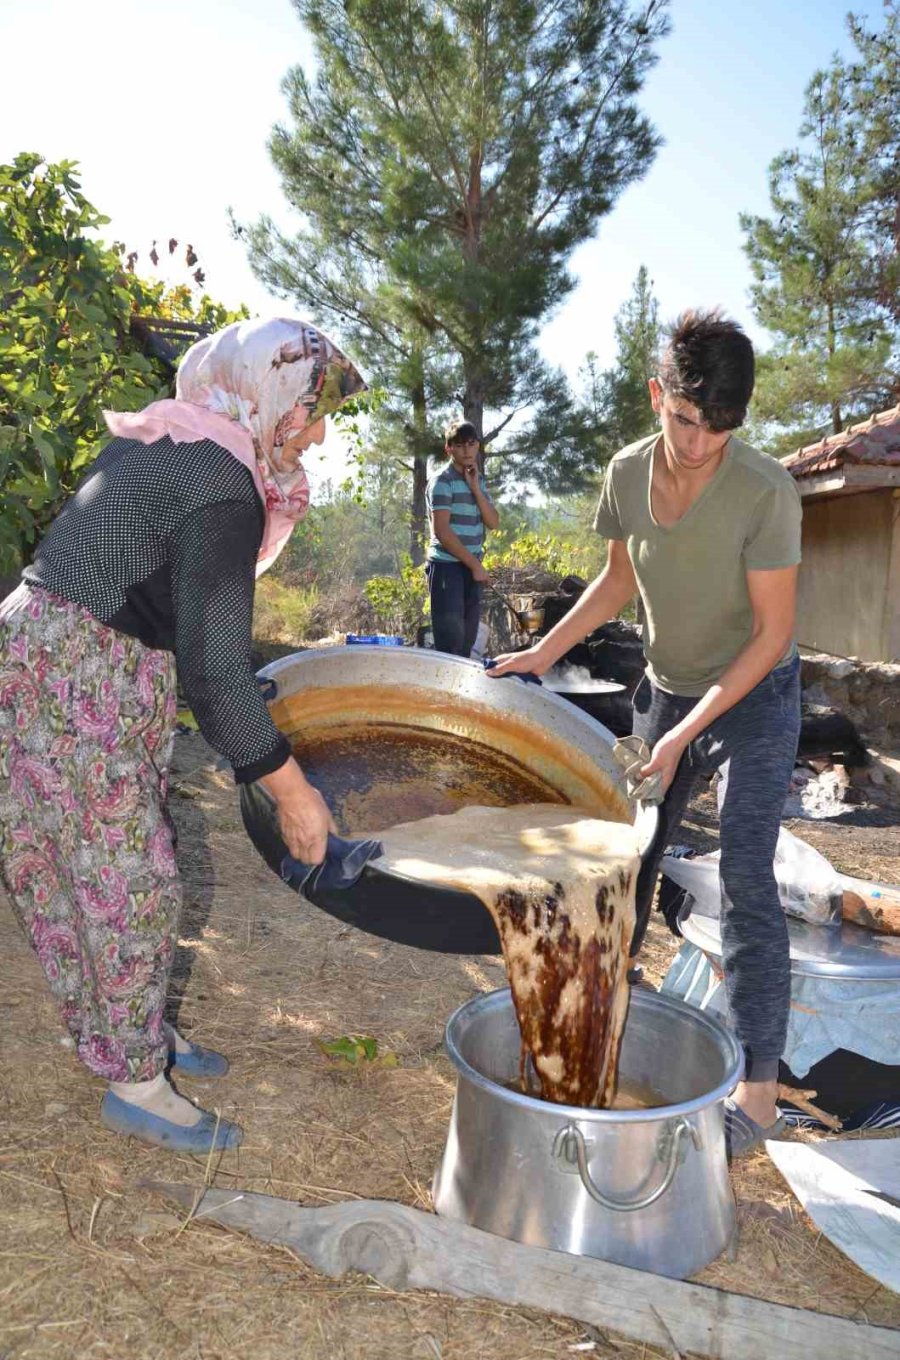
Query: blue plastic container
[373,640]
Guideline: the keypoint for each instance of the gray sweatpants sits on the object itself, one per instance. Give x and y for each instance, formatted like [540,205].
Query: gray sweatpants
[755,744]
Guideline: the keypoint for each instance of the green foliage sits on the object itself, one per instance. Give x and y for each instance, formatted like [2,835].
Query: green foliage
[570,439]
[347,537]
[551,553]
[355,1050]
[282,613]
[351,421]
[66,351]
[623,409]
[153,297]
[825,262]
[64,347]
[400,602]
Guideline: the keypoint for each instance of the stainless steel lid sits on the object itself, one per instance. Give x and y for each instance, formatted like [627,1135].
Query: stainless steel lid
[845,952]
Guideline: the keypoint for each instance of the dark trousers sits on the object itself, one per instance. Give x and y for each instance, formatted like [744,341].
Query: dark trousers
[455,606]
[754,745]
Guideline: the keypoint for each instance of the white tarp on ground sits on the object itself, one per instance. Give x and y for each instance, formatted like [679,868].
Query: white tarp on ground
[832,1179]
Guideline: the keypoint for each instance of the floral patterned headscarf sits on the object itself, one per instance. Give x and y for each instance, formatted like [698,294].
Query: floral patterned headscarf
[249,388]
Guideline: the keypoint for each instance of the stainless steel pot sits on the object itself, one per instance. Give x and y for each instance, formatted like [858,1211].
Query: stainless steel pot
[646,1188]
[406,730]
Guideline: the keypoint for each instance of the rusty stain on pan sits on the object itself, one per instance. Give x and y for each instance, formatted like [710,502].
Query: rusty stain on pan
[382,755]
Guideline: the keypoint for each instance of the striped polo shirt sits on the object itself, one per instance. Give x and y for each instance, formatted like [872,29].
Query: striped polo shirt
[448,490]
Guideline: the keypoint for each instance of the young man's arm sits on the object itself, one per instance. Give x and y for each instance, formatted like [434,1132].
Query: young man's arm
[604,598]
[773,599]
[453,544]
[488,511]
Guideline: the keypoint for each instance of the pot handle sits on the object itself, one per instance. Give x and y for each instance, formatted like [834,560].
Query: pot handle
[570,1145]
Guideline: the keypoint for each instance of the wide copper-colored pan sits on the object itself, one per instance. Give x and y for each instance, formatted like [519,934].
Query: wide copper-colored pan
[392,735]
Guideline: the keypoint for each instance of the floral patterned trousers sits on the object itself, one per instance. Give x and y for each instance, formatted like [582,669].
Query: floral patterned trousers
[87,717]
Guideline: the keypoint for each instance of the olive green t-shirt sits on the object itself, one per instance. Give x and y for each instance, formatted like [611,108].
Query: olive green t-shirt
[692,575]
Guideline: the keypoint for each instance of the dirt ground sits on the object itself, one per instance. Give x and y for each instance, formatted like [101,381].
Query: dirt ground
[91,1265]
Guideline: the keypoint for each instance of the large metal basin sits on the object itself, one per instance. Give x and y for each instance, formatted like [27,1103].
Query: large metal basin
[392,735]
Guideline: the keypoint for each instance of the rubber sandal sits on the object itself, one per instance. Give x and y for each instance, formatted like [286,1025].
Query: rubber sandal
[197,1062]
[743,1135]
[208,1133]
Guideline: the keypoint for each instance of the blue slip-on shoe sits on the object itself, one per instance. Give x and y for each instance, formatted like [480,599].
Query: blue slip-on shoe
[197,1062]
[208,1133]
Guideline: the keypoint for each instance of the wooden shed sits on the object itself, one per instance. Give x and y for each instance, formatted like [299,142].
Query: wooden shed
[849,592]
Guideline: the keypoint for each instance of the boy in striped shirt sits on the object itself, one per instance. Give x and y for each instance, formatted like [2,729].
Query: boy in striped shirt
[460,511]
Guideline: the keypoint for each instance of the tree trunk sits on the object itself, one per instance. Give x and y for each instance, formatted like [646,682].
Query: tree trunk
[837,423]
[419,449]
[476,384]
[473,406]
[417,524]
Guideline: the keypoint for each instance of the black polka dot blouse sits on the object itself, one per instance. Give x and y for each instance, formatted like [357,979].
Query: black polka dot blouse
[160,542]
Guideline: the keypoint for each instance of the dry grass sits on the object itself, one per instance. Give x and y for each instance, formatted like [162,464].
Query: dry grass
[92,1266]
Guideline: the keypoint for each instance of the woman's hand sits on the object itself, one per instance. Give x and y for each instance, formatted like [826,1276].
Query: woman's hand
[305,821]
[303,816]
[530,662]
[664,758]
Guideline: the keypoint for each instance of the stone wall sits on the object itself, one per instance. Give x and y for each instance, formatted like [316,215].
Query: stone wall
[868,693]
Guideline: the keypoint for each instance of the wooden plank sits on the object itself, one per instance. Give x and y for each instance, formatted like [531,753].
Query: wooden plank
[404,1248]
[891,650]
[821,484]
[872,476]
[848,480]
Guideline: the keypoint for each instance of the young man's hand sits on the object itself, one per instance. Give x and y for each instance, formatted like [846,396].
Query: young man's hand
[480,573]
[530,662]
[471,475]
[665,757]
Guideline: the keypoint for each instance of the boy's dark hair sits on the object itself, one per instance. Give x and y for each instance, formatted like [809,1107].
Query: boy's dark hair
[458,431]
[708,362]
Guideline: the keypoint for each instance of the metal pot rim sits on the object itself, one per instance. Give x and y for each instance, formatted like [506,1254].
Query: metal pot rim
[642,999]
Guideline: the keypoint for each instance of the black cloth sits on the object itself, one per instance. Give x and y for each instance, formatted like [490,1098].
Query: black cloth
[342,866]
[845,1082]
[160,542]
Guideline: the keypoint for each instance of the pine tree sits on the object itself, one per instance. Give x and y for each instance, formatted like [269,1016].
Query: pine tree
[625,413]
[446,161]
[823,261]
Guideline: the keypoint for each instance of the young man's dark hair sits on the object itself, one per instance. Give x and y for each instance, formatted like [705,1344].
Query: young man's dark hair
[709,363]
[460,432]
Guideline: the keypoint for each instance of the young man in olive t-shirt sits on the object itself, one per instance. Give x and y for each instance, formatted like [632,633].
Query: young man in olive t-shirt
[707,529]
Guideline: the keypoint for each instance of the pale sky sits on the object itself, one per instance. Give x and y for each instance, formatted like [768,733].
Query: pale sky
[168,105]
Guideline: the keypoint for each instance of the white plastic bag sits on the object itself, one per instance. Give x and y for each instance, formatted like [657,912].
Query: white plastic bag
[700,876]
[808,887]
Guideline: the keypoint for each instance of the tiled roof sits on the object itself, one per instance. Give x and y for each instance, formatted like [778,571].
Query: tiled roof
[875,443]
